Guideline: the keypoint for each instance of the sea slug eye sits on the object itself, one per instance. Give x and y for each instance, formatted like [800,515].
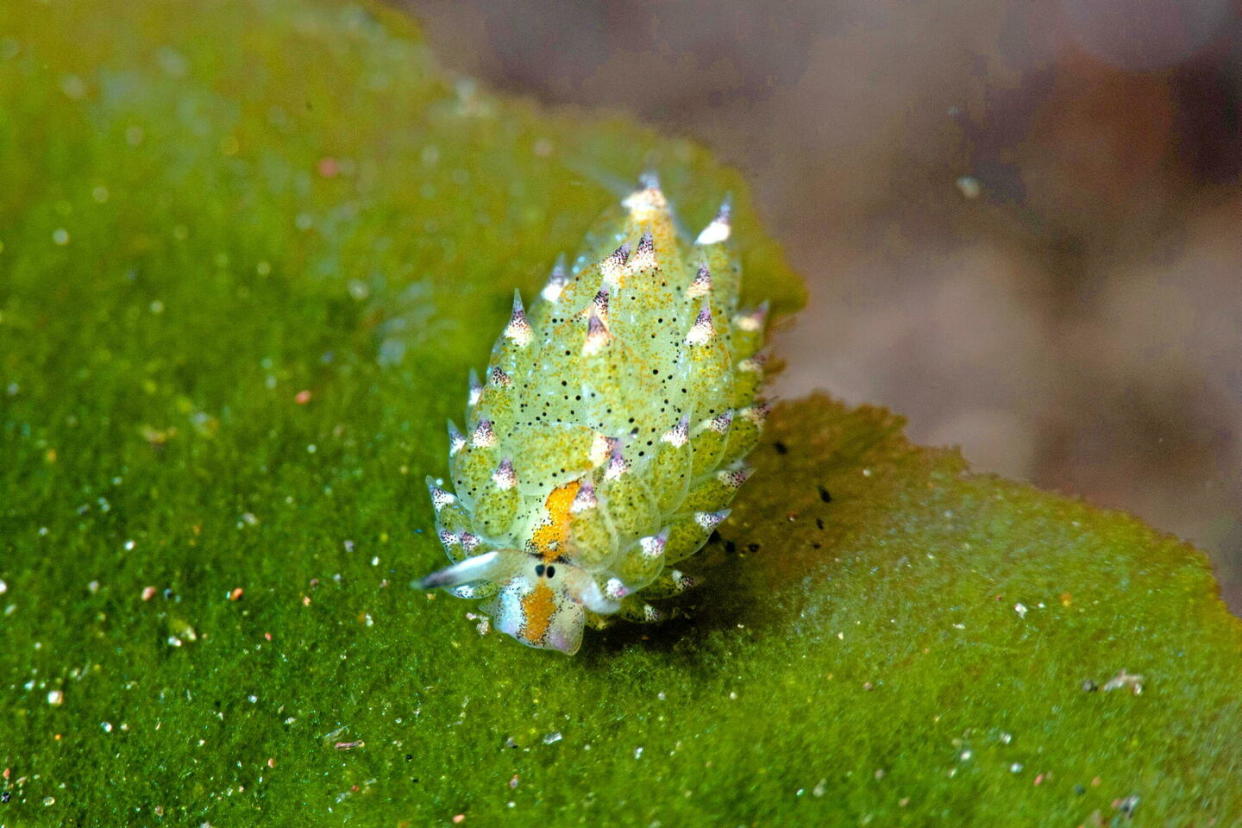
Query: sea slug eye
[562,459]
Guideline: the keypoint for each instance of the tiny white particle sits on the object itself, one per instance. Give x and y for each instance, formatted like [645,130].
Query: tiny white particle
[1020,609]
[107,726]
[552,738]
[60,236]
[1016,767]
[55,698]
[638,753]
[969,187]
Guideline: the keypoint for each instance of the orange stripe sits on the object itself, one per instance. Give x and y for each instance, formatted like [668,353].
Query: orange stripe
[549,539]
[538,607]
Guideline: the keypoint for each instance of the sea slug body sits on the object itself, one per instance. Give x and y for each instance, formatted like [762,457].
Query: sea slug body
[608,435]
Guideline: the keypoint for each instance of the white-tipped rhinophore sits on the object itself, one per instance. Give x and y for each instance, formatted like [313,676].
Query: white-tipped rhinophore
[478,568]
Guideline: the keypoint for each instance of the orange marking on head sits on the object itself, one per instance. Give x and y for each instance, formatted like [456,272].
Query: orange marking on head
[549,539]
[538,607]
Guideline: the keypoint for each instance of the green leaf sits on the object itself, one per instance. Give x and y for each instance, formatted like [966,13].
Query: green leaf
[249,252]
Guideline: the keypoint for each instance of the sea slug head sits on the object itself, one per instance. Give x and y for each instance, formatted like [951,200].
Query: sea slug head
[541,603]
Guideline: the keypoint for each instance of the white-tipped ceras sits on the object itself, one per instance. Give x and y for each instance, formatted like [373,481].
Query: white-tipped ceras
[607,436]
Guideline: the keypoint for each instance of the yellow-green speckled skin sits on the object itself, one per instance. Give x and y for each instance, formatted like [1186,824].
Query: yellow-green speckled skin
[606,439]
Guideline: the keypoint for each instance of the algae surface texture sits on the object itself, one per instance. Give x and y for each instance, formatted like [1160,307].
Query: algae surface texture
[248,253]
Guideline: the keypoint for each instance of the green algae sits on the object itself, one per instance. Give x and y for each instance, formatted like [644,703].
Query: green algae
[249,252]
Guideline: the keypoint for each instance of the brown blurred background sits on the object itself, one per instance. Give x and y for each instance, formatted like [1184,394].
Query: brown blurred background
[1019,219]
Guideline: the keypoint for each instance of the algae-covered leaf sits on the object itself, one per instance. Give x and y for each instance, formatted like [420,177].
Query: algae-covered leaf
[248,252]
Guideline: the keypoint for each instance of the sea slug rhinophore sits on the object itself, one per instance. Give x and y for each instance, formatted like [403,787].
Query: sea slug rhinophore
[608,435]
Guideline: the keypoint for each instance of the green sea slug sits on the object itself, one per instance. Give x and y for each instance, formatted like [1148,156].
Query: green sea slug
[607,438]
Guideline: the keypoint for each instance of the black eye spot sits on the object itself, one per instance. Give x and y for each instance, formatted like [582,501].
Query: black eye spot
[551,571]
[539,570]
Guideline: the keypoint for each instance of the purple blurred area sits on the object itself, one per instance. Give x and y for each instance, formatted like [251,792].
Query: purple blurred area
[1019,221]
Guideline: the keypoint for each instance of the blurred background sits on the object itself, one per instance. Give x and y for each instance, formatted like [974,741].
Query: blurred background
[1018,219]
